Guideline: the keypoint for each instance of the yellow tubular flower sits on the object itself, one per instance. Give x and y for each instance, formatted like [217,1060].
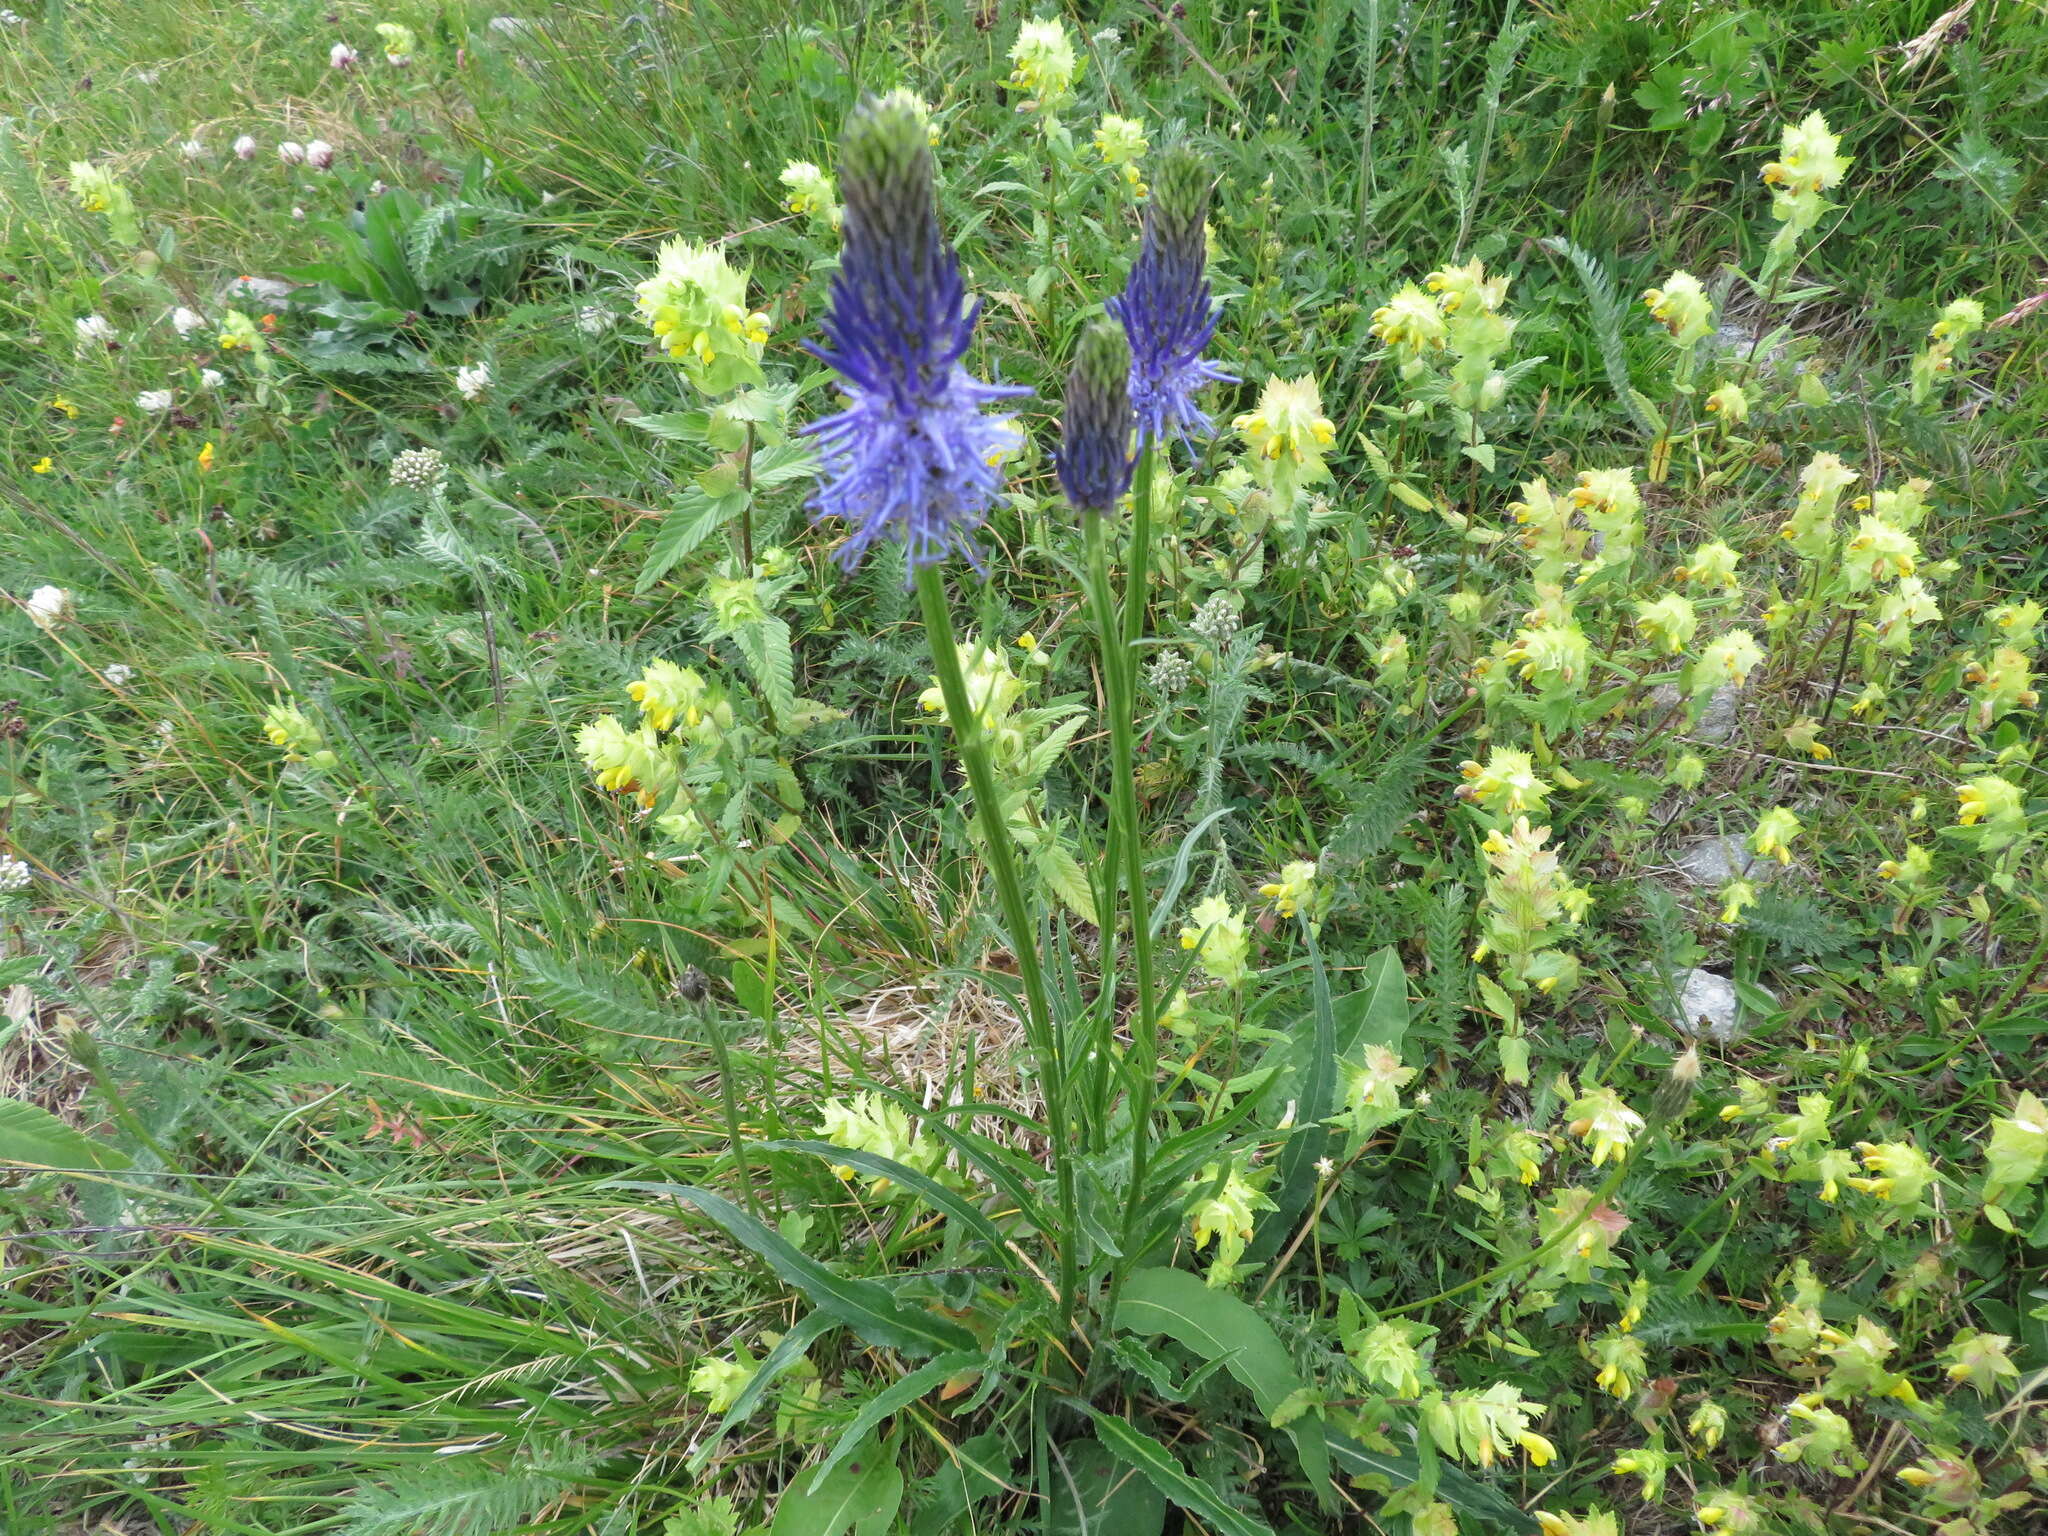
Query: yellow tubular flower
[1607,1125]
[1669,621]
[1122,143]
[667,693]
[1289,422]
[1960,320]
[1727,661]
[1044,60]
[1712,564]
[1505,784]
[811,192]
[1774,833]
[1730,403]
[1294,889]
[1410,322]
[1467,290]
[695,305]
[1287,436]
[1807,159]
[1989,797]
[1215,931]
[1682,308]
[238,331]
[1736,896]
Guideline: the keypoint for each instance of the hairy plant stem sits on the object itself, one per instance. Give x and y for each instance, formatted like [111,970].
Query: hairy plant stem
[1017,920]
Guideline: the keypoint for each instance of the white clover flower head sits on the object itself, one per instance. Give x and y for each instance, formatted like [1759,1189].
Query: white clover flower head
[211,378]
[192,149]
[320,154]
[15,875]
[472,379]
[154,402]
[298,214]
[595,319]
[120,674]
[93,330]
[292,152]
[245,147]
[185,321]
[12,19]
[48,607]
[341,56]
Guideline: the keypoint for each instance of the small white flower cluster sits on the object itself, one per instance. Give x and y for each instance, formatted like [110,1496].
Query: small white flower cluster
[154,402]
[15,874]
[48,607]
[120,674]
[419,469]
[341,56]
[471,380]
[93,330]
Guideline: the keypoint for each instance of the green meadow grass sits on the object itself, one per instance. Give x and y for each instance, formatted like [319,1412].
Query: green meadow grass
[370,1082]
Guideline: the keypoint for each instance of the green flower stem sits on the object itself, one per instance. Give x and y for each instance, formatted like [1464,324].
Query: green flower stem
[1138,586]
[1022,931]
[1119,668]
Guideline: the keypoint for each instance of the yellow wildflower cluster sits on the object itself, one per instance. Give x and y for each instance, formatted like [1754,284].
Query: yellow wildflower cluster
[1530,906]
[1122,143]
[1808,164]
[290,728]
[811,193]
[1215,931]
[1227,1212]
[696,306]
[1286,436]
[1960,320]
[1044,64]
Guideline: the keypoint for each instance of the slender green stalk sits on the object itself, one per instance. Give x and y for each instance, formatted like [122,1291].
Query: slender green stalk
[1119,663]
[1017,920]
[1128,851]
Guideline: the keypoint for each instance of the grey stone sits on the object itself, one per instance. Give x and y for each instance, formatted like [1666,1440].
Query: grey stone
[1714,861]
[1707,1007]
[1717,721]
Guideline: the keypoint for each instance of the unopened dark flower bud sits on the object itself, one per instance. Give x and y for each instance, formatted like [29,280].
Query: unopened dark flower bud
[1095,438]
[1181,186]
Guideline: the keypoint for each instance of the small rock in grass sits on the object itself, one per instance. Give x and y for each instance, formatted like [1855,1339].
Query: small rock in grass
[1708,1007]
[1711,862]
